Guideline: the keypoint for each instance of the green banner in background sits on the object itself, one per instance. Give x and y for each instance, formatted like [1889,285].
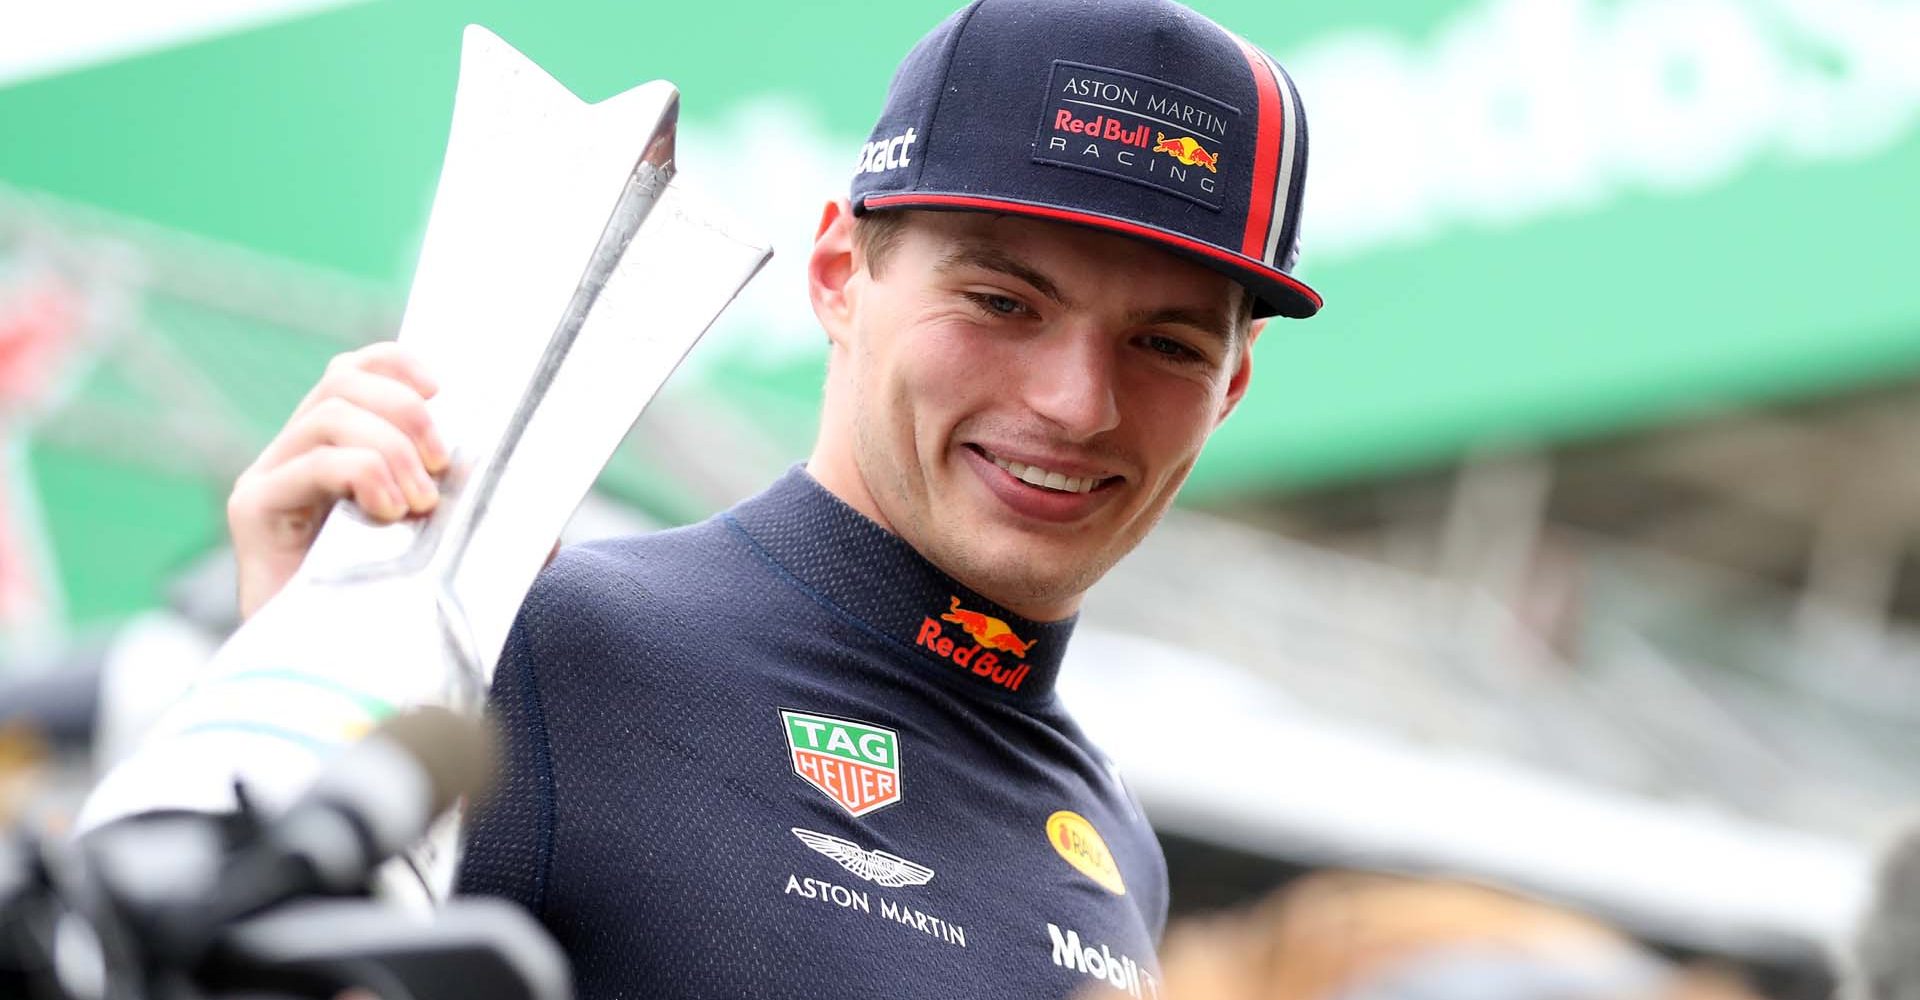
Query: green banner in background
[1531,219]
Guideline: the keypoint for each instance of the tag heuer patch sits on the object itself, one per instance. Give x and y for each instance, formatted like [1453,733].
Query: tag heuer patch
[856,764]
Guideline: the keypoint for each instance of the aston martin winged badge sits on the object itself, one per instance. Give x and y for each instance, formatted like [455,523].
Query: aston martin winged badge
[878,867]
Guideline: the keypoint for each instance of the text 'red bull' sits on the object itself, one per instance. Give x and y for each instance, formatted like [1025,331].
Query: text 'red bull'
[1101,127]
[991,637]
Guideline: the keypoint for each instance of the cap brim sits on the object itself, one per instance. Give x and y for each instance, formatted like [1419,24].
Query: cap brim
[1275,292]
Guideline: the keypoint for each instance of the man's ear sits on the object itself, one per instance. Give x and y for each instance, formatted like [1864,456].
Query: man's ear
[1242,373]
[831,268]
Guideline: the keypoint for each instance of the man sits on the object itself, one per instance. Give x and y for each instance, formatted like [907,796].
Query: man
[810,747]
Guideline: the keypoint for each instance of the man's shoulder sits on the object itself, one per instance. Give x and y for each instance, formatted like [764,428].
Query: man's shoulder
[603,583]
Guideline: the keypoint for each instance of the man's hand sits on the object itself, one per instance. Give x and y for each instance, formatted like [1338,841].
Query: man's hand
[362,432]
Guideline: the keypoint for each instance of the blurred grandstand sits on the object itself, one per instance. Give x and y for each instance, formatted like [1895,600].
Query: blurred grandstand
[1642,637]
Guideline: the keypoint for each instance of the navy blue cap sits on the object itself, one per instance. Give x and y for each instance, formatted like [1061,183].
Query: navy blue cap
[1139,117]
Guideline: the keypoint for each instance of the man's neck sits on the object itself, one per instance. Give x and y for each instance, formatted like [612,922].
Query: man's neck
[840,476]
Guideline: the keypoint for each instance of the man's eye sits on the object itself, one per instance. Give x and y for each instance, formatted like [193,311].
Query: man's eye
[1173,349]
[998,305]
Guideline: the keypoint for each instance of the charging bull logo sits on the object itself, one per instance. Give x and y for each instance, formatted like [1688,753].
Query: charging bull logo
[991,637]
[988,631]
[1187,151]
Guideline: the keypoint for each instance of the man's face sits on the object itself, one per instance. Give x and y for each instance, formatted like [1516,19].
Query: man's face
[1020,400]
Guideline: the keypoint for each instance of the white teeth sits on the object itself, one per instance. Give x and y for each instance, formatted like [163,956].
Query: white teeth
[1043,477]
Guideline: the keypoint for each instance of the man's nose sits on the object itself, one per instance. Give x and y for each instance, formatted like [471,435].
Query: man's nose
[1073,385]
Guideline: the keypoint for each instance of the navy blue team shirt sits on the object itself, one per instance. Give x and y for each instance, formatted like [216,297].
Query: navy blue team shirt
[779,754]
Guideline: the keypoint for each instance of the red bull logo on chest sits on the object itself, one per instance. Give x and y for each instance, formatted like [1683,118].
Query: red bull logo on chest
[987,646]
[856,764]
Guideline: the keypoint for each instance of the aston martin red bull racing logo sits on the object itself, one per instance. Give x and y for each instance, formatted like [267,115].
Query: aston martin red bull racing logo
[856,764]
[1140,129]
[987,647]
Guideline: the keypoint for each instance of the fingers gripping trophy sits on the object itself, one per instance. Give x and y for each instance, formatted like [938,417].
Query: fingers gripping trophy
[562,278]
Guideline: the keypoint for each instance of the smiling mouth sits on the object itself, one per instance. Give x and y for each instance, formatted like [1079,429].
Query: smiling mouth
[1044,478]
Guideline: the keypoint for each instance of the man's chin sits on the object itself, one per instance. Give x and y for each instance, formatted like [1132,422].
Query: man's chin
[1040,576]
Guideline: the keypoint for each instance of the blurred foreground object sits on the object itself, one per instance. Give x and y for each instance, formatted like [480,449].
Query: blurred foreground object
[547,346]
[182,906]
[1356,936]
[1886,957]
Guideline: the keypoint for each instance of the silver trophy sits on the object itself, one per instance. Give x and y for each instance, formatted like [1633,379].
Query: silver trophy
[562,279]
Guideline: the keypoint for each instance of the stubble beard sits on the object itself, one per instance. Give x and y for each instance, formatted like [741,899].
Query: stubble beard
[972,553]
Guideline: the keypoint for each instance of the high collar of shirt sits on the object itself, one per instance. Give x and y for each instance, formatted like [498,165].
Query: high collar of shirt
[844,558]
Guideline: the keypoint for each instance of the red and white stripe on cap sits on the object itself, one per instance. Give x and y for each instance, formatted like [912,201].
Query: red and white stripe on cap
[1274,167]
